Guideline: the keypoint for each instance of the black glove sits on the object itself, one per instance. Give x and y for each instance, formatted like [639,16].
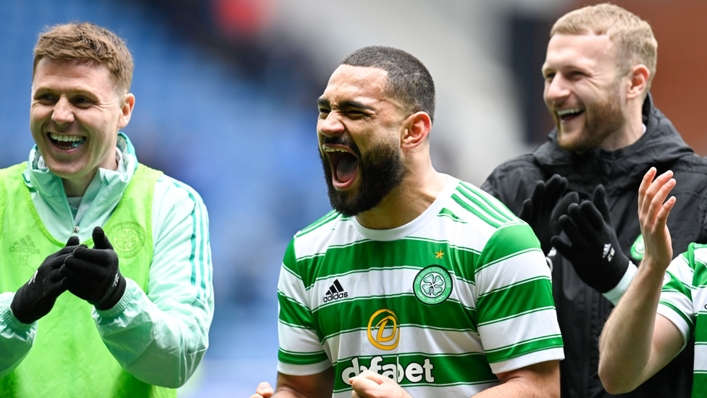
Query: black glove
[542,210]
[37,297]
[593,248]
[93,274]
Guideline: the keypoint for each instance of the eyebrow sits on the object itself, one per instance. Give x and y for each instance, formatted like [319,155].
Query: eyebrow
[81,92]
[322,102]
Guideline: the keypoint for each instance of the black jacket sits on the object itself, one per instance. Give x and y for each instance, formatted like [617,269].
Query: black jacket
[581,310]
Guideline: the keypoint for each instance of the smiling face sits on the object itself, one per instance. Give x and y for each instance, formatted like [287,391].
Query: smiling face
[583,90]
[359,139]
[75,116]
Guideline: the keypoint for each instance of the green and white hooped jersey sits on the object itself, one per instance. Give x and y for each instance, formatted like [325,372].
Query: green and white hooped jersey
[684,302]
[439,304]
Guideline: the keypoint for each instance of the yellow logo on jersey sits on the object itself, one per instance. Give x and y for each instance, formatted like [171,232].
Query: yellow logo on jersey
[387,336]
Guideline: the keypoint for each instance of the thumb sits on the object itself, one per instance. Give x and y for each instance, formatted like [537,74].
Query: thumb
[599,200]
[526,213]
[564,248]
[100,240]
[73,241]
[365,383]
[264,389]
[368,377]
[555,188]
[563,205]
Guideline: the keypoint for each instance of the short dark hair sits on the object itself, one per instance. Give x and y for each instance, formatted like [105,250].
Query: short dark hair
[408,79]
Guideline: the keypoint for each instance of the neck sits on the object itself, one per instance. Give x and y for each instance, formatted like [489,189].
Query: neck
[630,132]
[406,202]
[77,187]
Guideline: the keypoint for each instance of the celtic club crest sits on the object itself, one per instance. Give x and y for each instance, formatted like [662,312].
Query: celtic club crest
[638,249]
[127,238]
[432,285]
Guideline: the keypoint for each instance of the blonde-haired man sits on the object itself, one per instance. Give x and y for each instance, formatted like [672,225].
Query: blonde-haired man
[579,189]
[122,309]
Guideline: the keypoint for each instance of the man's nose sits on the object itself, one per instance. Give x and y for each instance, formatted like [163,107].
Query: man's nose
[331,125]
[63,111]
[556,89]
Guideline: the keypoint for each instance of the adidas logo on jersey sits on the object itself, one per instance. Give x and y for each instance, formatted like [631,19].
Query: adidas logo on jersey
[608,252]
[24,245]
[335,292]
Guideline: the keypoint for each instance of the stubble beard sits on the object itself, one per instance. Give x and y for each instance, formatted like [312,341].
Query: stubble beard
[602,119]
[381,170]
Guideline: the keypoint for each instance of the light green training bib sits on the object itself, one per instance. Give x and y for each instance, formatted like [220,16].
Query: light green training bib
[68,358]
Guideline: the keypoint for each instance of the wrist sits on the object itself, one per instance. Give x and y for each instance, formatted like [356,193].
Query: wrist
[612,273]
[615,294]
[654,265]
[649,281]
[652,270]
[133,294]
[19,309]
[113,295]
[10,317]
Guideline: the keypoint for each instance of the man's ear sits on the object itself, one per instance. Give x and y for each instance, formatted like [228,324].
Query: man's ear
[126,109]
[638,81]
[416,130]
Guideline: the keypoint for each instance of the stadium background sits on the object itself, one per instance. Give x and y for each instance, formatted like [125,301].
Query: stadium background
[226,101]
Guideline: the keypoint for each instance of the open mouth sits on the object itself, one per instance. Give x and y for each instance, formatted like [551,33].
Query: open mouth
[568,114]
[344,165]
[66,142]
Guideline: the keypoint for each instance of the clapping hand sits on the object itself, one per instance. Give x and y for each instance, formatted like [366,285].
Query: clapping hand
[36,298]
[544,207]
[653,211]
[372,385]
[591,245]
[93,274]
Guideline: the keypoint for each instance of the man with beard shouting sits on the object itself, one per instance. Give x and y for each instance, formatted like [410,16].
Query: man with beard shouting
[598,70]
[416,283]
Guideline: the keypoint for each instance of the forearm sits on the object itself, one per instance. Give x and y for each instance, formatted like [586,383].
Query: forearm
[160,346]
[16,338]
[540,380]
[287,393]
[519,390]
[318,385]
[626,343]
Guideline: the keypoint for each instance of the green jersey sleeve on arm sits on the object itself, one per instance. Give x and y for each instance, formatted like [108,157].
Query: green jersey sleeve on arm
[300,352]
[515,309]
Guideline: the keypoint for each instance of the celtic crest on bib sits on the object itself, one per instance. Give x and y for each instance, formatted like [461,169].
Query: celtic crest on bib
[127,238]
